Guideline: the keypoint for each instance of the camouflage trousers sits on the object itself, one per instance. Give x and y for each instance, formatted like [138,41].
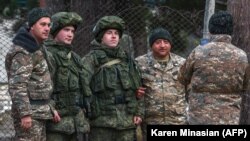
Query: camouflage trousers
[36,133]
[54,136]
[144,131]
[110,134]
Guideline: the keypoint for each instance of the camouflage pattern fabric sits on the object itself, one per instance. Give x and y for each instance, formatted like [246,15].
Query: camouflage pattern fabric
[67,93]
[164,98]
[109,134]
[216,75]
[36,133]
[61,137]
[62,19]
[30,85]
[68,129]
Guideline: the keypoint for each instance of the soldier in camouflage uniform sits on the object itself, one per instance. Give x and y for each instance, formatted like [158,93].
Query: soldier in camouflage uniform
[164,98]
[66,68]
[216,76]
[111,84]
[30,84]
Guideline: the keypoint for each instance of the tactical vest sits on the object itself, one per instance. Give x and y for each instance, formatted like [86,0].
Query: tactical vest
[67,94]
[66,82]
[113,85]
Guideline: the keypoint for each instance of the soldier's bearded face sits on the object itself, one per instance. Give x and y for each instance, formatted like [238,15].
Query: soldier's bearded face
[111,38]
[65,35]
[40,30]
[161,48]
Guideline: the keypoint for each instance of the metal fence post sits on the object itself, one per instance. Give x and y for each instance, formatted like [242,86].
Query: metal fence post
[209,10]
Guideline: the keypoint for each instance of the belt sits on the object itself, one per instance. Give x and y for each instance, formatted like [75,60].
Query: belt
[39,102]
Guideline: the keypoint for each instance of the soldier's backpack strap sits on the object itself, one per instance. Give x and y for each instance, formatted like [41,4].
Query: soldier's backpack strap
[109,63]
[48,59]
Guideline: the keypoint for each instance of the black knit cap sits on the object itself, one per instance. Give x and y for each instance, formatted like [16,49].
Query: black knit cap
[221,23]
[35,14]
[159,33]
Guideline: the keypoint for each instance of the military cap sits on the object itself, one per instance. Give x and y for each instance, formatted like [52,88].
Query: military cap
[159,33]
[108,22]
[62,19]
[221,23]
[35,14]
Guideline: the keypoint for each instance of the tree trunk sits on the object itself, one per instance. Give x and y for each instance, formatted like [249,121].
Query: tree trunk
[240,11]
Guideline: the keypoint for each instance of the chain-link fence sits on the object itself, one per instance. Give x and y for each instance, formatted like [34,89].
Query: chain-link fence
[6,126]
[184,26]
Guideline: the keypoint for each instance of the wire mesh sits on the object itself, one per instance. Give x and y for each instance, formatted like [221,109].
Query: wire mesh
[184,26]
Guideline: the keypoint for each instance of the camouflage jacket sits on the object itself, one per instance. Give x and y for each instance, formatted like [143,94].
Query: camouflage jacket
[30,84]
[165,98]
[66,67]
[216,75]
[113,87]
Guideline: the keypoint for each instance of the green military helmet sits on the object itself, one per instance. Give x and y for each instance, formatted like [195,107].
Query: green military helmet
[62,19]
[108,22]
